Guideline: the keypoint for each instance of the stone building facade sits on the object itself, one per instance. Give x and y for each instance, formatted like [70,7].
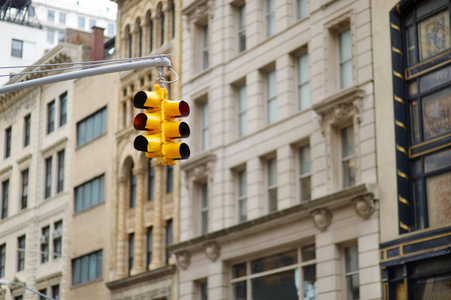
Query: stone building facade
[148,193]
[34,170]
[279,199]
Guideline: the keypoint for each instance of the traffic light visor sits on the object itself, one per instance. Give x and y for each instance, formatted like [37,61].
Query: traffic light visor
[176,109]
[146,100]
[147,121]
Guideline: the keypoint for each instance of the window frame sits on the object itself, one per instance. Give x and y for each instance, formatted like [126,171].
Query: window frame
[21,246]
[63,109]
[48,177]
[205,46]
[304,176]
[24,188]
[98,259]
[271,100]
[27,130]
[242,110]
[79,207]
[8,141]
[2,260]
[241,32]
[347,159]
[205,122]
[5,198]
[343,61]
[16,51]
[303,83]
[272,203]
[61,166]
[45,245]
[57,240]
[51,116]
[270,18]
[351,273]
[297,267]
[86,135]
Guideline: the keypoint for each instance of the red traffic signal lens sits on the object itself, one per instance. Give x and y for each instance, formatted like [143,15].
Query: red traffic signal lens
[140,121]
[184,109]
[140,143]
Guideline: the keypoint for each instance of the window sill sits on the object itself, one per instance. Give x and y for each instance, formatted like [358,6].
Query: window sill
[97,280]
[88,208]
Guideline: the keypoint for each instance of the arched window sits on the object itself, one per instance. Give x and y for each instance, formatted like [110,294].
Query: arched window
[161,25]
[150,23]
[140,36]
[173,18]
[132,182]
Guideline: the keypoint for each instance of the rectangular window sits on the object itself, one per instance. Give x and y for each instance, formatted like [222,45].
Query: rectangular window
[44,241]
[242,196]
[62,18]
[149,246]
[26,130]
[110,29]
[91,127]
[303,82]
[132,202]
[50,116]
[51,16]
[43,292]
[270,17]
[284,275]
[345,56]
[305,173]
[352,272]
[81,23]
[2,260]
[347,156]
[168,238]
[57,237]
[242,110]
[21,253]
[60,184]
[241,28]
[271,97]
[50,36]
[55,291]
[48,177]
[301,9]
[63,108]
[8,141]
[204,208]
[5,196]
[203,290]
[205,46]
[87,268]
[150,182]
[61,36]
[16,48]
[271,165]
[90,193]
[92,23]
[24,192]
[131,251]
[169,178]
[205,131]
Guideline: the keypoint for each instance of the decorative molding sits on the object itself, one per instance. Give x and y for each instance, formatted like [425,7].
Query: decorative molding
[364,205]
[199,170]
[183,259]
[212,251]
[198,11]
[321,218]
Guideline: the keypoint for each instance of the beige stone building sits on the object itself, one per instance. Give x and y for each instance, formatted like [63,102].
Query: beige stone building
[279,199]
[413,106]
[147,193]
[36,137]
[92,200]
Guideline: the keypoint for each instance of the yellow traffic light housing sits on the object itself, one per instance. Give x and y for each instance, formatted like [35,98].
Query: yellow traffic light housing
[162,129]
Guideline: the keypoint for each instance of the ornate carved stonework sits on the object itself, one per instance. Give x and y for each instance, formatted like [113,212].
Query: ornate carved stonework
[321,218]
[183,259]
[364,205]
[212,250]
[199,10]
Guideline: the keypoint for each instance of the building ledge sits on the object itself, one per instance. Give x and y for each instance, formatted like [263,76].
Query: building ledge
[143,277]
[330,202]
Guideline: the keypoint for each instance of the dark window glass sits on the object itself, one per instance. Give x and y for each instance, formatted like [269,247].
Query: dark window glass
[44,241]
[57,236]
[16,48]
[2,260]
[24,198]
[60,185]
[131,250]
[87,268]
[50,116]
[48,177]
[168,238]
[149,246]
[274,261]
[63,108]
[8,142]
[132,188]
[5,198]
[26,131]
[21,253]
[91,127]
[90,193]
[151,182]
[169,178]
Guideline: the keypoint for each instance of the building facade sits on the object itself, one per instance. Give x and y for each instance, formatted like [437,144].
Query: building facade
[36,140]
[148,193]
[413,131]
[279,199]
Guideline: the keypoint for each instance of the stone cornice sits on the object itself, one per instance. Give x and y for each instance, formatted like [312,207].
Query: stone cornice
[335,104]
[143,277]
[330,202]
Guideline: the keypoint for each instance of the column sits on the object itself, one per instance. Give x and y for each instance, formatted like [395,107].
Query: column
[121,238]
[138,255]
[158,230]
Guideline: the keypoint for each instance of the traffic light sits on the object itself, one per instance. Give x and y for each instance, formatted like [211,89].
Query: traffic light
[162,129]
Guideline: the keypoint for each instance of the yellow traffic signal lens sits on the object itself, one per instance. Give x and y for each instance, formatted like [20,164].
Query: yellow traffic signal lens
[177,151]
[148,143]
